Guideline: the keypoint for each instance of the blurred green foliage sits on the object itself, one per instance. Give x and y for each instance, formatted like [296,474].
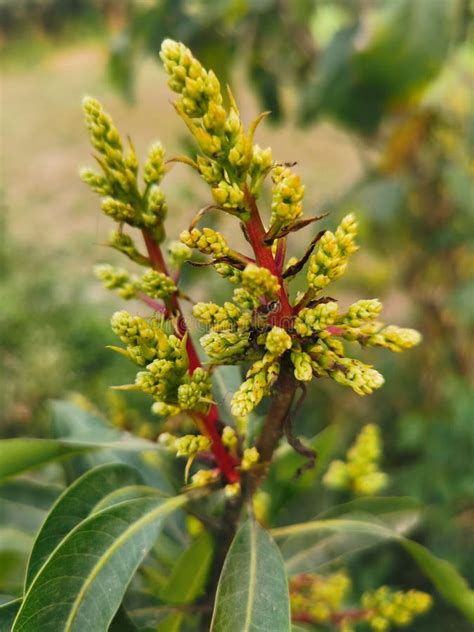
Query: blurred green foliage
[52,336]
[397,74]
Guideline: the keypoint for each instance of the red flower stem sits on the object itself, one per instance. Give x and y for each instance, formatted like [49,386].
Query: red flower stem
[206,423]
[264,256]
[157,307]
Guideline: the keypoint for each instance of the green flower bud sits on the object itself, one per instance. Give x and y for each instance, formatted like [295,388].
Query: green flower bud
[146,382]
[188,78]
[337,476]
[96,181]
[104,135]
[361,312]
[116,279]
[245,299]
[250,458]
[229,437]
[215,118]
[395,338]
[118,211]
[228,272]
[225,348]
[385,606]
[189,396]
[157,208]
[260,166]
[363,379]
[207,241]
[277,341]
[132,330]
[165,410]
[189,445]
[260,281]
[124,244]
[157,284]
[303,365]
[229,195]
[154,168]
[202,478]
[314,319]
[252,391]
[287,196]
[210,170]
[179,253]
[330,260]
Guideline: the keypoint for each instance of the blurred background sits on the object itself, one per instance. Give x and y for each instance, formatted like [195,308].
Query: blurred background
[372,98]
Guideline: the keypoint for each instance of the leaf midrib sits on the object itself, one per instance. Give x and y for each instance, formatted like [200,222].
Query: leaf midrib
[149,517]
[252,576]
[130,531]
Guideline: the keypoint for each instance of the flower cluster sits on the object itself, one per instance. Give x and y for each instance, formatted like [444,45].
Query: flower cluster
[319,596]
[152,283]
[320,599]
[330,260]
[277,338]
[118,183]
[360,473]
[228,152]
[287,198]
[385,607]
[313,337]
[165,359]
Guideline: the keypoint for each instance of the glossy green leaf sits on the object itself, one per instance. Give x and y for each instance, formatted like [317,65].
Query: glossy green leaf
[83,582]
[72,423]
[20,455]
[188,578]
[252,594]
[8,613]
[444,576]
[24,503]
[74,505]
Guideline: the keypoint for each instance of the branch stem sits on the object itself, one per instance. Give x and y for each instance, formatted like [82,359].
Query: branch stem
[208,424]
[264,256]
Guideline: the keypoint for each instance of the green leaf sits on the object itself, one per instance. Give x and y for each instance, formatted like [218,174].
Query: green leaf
[285,490]
[122,622]
[358,83]
[83,582]
[19,455]
[172,623]
[23,504]
[73,424]
[252,593]
[188,578]
[8,613]
[444,576]
[450,584]
[74,505]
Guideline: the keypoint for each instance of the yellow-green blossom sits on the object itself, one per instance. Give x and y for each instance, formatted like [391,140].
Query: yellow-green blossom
[189,445]
[287,197]
[207,241]
[250,458]
[330,260]
[360,473]
[154,168]
[386,607]
[259,281]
